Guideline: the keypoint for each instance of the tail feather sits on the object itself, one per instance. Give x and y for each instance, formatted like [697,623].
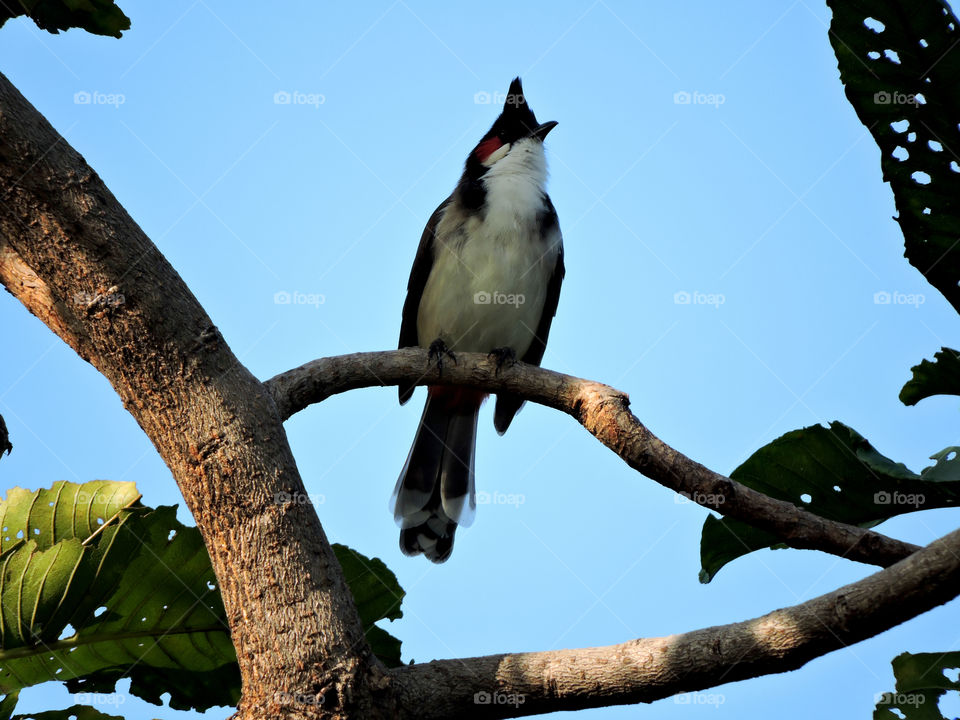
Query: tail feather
[435,491]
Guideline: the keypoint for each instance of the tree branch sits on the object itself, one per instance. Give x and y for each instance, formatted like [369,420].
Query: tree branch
[514,685]
[605,413]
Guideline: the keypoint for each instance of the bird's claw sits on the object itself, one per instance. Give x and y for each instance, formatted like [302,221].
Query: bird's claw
[438,348]
[505,356]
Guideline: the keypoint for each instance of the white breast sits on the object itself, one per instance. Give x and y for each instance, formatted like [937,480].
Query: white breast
[489,281]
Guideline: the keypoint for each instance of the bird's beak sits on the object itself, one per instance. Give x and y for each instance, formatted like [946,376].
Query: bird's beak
[540,132]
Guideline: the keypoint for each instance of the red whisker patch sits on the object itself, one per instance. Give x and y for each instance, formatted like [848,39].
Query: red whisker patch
[487,148]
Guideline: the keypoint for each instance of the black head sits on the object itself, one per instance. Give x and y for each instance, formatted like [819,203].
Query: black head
[517,119]
[516,122]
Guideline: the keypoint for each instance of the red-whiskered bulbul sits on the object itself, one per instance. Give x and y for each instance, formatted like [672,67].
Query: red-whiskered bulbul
[486,278]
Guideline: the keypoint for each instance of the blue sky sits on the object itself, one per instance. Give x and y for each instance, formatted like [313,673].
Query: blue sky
[761,198]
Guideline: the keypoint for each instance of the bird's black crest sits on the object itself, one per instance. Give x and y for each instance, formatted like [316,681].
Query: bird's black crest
[515,121]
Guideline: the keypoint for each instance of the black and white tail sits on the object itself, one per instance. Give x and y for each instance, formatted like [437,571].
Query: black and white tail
[435,492]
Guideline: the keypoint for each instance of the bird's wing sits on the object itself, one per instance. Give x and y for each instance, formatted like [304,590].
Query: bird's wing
[422,265]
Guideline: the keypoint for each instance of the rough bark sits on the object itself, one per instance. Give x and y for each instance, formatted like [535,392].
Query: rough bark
[605,413]
[73,257]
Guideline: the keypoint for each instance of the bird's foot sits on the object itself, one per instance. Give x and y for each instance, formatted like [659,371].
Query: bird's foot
[505,356]
[438,348]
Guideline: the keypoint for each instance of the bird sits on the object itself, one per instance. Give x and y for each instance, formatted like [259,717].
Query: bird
[486,278]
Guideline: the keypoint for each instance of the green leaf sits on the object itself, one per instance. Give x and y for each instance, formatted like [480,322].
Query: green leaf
[94,587]
[376,590]
[940,377]
[378,595]
[921,682]
[8,705]
[140,600]
[832,472]
[33,585]
[724,540]
[905,94]
[66,510]
[100,17]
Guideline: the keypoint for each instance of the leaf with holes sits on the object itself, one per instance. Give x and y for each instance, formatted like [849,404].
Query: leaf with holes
[900,76]
[940,377]
[835,473]
[100,17]
[66,510]
[921,681]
